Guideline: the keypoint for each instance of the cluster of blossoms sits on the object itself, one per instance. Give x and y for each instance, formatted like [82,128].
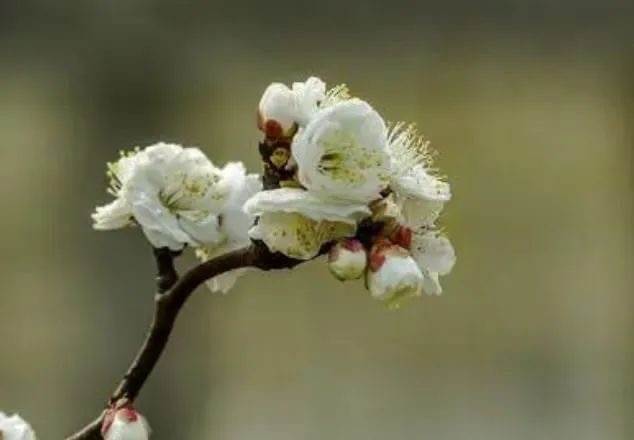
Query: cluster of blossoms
[336,178]
[344,177]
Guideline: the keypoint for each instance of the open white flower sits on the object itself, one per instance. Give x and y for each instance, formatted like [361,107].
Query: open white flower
[175,194]
[297,236]
[282,110]
[15,428]
[419,193]
[393,274]
[347,260]
[234,226]
[342,152]
[125,424]
[435,256]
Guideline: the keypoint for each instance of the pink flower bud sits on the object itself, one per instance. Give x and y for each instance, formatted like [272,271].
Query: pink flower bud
[347,259]
[124,423]
[277,112]
[393,275]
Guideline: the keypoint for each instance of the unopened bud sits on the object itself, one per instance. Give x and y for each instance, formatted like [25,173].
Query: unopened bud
[124,423]
[277,112]
[393,274]
[15,428]
[347,260]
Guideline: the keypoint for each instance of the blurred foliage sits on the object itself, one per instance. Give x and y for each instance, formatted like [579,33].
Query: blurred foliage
[530,105]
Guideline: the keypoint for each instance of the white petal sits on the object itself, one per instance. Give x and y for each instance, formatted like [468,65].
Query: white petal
[235,221]
[308,95]
[418,183]
[295,200]
[417,213]
[431,284]
[433,252]
[295,235]
[158,220]
[159,239]
[342,152]
[114,215]
[224,282]
[202,229]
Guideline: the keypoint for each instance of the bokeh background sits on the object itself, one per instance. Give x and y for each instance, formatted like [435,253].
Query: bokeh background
[530,105]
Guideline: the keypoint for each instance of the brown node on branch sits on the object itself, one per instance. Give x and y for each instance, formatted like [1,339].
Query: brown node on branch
[277,172]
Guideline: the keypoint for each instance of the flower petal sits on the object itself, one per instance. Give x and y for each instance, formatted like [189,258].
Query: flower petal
[295,200]
[202,229]
[297,236]
[114,215]
[433,252]
[431,284]
[308,95]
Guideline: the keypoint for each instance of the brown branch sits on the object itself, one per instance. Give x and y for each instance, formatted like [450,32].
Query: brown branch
[167,307]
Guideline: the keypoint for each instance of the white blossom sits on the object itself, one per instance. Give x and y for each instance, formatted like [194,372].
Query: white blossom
[435,256]
[282,110]
[420,194]
[297,236]
[393,275]
[347,260]
[342,152]
[175,194]
[125,424]
[15,428]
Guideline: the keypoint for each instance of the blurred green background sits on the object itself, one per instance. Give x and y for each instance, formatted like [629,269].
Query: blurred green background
[530,105]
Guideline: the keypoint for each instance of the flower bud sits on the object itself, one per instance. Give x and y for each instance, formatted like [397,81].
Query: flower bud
[15,428]
[393,274]
[277,112]
[124,423]
[347,260]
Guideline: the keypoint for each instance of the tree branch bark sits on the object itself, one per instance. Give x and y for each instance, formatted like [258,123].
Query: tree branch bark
[173,293]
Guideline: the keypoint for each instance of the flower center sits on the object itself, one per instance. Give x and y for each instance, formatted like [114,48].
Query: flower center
[346,161]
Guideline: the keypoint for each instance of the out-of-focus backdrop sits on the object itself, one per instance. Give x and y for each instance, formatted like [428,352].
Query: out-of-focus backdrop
[530,105]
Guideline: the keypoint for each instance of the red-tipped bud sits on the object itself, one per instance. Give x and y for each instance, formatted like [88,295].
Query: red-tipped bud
[124,423]
[347,259]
